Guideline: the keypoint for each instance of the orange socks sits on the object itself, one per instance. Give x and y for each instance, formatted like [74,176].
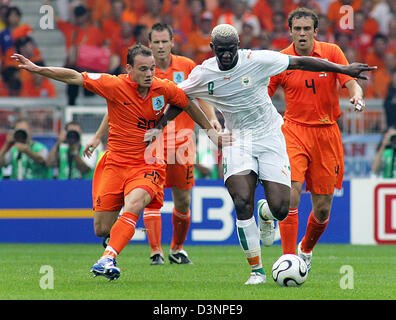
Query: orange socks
[289,229]
[314,230]
[181,223]
[153,223]
[121,233]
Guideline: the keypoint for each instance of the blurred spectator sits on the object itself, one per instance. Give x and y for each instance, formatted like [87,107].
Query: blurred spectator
[239,15]
[197,47]
[140,34]
[12,83]
[26,47]
[370,25]
[154,12]
[77,34]
[392,35]
[343,40]
[361,39]
[112,25]
[247,38]
[26,156]
[263,10]
[192,17]
[67,155]
[335,13]
[382,77]
[383,12]
[310,4]
[3,12]
[119,48]
[35,85]
[384,161]
[390,102]
[324,30]
[12,20]
[280,34]
[264,40]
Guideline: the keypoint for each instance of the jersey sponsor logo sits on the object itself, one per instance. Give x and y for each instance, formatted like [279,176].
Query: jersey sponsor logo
[94,76]
[178,77]
[246,81]
[158,103]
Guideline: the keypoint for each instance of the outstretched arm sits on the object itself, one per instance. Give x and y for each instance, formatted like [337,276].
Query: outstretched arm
[65,75]
[321,65]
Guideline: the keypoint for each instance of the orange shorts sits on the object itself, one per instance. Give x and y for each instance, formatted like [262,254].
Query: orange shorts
[316,156]
[180,176]
[180,166]
[111,183]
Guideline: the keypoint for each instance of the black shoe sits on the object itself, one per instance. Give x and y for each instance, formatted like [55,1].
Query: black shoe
[105,241]
[180,257]
[157,259]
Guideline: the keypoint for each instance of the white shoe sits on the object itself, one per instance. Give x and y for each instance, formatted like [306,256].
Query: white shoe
[307,257]
[267,227]
[256,278]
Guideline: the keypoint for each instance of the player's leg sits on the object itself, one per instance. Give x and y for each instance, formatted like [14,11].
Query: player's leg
[242,188]
[153,223]
[124,228]
[325,173]
[299,163]
[103,221]
[316,225]
[289,227]
[181,219]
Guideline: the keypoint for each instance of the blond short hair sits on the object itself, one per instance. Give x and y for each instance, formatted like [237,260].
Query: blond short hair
[224,31]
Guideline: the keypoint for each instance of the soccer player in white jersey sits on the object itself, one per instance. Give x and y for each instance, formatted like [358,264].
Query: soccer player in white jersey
[235,82]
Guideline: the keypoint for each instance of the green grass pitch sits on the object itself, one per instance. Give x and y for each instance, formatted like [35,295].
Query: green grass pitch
[218,273]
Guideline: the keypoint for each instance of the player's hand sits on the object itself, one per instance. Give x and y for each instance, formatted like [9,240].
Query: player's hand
[358,103]
[356,68]
[25,63]
[151,135]
[216,124]
[220,139]
[91,146]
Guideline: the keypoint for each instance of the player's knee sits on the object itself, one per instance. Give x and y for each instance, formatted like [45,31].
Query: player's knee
[182,204]
[280,210]
[101,230]
[243,207]
[322,215]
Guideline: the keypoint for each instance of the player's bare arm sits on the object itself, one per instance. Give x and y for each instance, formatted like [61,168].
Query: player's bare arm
[95,141]
[315,64]
[356,95]
[65,75]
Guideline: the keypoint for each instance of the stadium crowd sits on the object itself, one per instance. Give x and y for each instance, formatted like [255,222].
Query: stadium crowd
[111,26]
[98,33]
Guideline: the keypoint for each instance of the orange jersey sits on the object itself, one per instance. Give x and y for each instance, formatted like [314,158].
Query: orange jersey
[312,97]
[131,115]
[177,72]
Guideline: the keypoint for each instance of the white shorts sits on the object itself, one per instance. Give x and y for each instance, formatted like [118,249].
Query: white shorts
[266,156]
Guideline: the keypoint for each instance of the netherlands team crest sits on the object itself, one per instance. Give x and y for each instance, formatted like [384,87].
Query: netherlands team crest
[178,77]
[158,103]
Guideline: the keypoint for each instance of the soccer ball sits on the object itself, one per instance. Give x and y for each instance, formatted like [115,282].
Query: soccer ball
[289,271]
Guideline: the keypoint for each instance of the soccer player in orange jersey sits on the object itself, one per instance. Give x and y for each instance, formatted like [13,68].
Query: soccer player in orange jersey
[178,135]
[179,172]
[127,175]
[313,139]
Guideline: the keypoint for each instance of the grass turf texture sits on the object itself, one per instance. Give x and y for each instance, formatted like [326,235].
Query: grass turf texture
[218,273]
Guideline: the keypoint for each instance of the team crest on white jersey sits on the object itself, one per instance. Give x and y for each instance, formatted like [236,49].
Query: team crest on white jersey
[246,81]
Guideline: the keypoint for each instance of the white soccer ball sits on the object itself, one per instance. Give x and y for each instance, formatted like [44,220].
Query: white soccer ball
[289,271]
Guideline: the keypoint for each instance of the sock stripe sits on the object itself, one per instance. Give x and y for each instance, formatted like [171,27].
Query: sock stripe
[242,238]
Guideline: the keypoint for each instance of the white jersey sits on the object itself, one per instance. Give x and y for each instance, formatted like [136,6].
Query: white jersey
[241,93]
